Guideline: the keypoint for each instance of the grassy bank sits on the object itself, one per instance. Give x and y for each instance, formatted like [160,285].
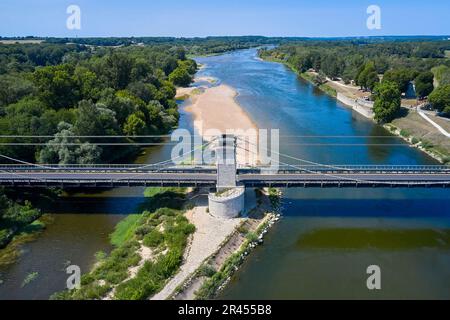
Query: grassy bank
[419,133]
[11,252]
[306,76]
[149,250]
[19,223]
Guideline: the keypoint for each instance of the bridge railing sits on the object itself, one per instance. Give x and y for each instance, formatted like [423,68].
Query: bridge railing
[346,168]
[103,167]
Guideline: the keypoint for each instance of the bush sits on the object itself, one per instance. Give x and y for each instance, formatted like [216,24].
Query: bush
[242,229]
[426,144]
[153,239]
[251,236]
[143,230]
[206,270]
[404,133]
[5,237]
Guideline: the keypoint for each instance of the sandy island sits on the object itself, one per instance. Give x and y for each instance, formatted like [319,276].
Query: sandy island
[216,111]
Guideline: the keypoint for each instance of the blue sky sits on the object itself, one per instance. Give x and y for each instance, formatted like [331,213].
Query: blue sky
[225,17]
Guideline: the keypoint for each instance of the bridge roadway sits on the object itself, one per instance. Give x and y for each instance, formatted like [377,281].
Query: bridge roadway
[206,176]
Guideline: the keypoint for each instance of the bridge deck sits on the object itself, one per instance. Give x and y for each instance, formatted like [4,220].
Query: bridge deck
[357,176]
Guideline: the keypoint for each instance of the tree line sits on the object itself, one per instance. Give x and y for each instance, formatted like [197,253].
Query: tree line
[384,68]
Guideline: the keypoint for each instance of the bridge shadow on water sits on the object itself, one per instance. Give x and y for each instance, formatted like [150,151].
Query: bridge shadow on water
[95,205]
[122,205]
[386,208]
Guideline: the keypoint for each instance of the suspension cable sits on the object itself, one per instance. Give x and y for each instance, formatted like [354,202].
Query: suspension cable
[341,177]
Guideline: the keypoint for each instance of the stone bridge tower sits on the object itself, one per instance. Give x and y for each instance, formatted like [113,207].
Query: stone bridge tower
[228,201]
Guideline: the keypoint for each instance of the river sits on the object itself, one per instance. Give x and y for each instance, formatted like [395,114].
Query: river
[326,238]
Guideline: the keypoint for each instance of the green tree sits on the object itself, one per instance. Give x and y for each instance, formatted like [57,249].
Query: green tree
[424,84]
[64,149]
[401,77]
[387,101]
[95,120]
[135,124]
[440,98]
[56,85]
[441,74]
[372,80]
[88,82]
[189,65]
[366,72]
[332,66]
[118,70]
[181,77]
[13,88]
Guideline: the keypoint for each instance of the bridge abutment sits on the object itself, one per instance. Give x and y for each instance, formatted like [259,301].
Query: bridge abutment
[228,203]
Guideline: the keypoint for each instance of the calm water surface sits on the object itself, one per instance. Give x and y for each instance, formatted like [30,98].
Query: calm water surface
[328,237]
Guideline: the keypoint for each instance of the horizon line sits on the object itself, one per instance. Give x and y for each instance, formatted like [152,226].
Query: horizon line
[224,36]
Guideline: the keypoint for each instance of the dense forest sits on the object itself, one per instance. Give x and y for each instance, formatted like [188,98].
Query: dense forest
[194,46]
[375,66]
[67,94]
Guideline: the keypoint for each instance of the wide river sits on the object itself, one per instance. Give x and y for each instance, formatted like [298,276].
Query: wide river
[327,237]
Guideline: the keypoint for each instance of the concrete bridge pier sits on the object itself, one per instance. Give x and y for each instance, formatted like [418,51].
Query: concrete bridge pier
[228,200]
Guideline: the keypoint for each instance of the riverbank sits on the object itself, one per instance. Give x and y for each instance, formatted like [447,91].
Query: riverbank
[148,250]
[11,251]
[409,126]
[21,221]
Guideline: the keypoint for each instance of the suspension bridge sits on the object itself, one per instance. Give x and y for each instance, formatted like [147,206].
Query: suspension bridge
[224,174]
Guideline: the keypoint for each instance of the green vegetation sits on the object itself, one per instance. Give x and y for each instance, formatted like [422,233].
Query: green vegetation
[441,75]
[124,230]
[275,199]
[88,92]
[367,76]
[387,101]
[211,285]
[440,98]
[15,217]
[183,75]
[196,46]
[424,84]
[251,236]
[206,270]
[30,278]
[162,228]
[66,90]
